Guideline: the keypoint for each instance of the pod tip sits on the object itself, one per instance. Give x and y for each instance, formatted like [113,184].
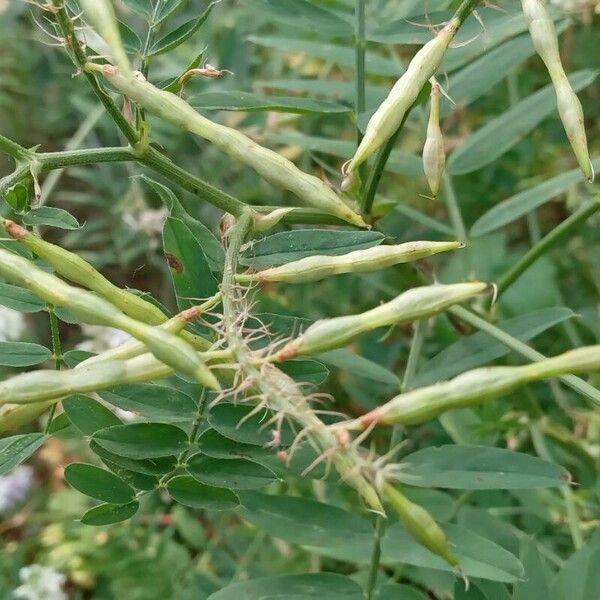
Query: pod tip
[15,230]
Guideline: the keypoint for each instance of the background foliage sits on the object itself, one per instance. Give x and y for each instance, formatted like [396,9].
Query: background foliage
[511,180]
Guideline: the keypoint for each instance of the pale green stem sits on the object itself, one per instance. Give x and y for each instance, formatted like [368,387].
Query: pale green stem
[575,383]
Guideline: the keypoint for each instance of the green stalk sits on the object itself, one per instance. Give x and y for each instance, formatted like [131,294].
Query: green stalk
[378,168]
[575,383]
[360,45]
[458,224]
[56,352]
[560,232]
[414,354]
[380,524]
[78,55]
[13,149]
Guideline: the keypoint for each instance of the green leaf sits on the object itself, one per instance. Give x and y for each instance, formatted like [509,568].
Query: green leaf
[189,268]
[143,440]
[18,448]
[20,299]
[130,39]
[287,246]
[578,577]
[88,415]
[479,468]
[251,102]
[394,591]
[501,133]
[142,7]
[154,402]
[479,349]
[524,202]
[332,53]
[304,521]
[232,421]
[210,244]
[305,371]
[478,556]
[152,466]
[534,585]
[309,586]
[23,354]
[235,473]
[166,9]
[98,483]
[188,491]
[304,16]
[212,443]
[107,514]
[181,34]
[73,357]
[52,217]
[359,366]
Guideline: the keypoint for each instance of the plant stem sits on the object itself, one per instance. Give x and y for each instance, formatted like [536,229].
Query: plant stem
[56,352]
[414,354]
[13,149]
[377,170]
[78,55]
[558,233]
[360,45]
[375,557]
[458,224]
[575,383]
[86,156]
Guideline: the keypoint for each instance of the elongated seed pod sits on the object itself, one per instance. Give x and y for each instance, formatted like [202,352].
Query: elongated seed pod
[420,524]
[13,416]
[133,348]
[271,166]
[476,386]
[101,15]
[75,269]
[545,41]
[390,114]
[314,268]
[94,310]
[411,305]
[47,385]
[434,155]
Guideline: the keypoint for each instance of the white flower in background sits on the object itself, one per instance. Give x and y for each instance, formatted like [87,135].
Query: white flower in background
[98,339]
[41,583]
[12,324]
[146,220]
[14,488]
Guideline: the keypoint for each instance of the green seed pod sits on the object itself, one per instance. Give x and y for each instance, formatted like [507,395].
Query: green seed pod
[314,268]
[271,166]
[414,304]
[50,385]
[545,41]
[101,15]
[94,310]
[434,154]
[476,386]
[77,270]
[14,416]
[390,114]
[133,348]
[420,524]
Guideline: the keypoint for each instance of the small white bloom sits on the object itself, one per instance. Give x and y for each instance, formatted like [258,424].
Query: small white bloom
[100,339]
[14,488]
[147,220]
[12,324]
[40,583]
